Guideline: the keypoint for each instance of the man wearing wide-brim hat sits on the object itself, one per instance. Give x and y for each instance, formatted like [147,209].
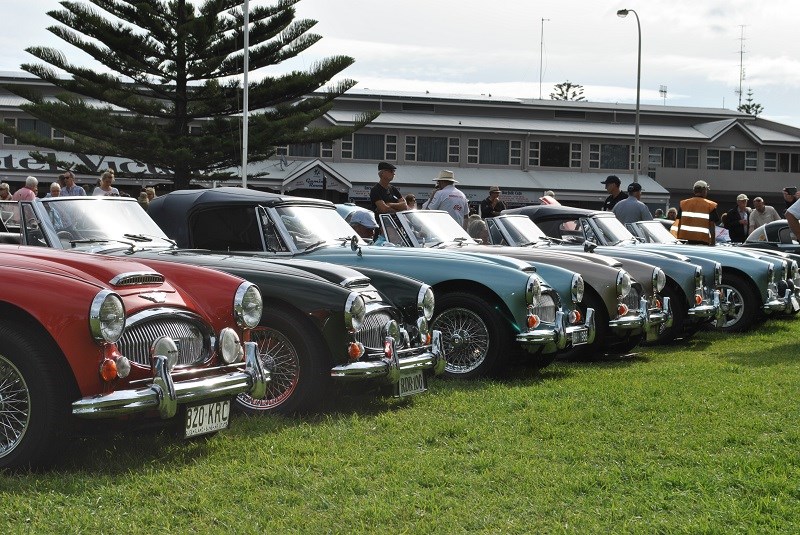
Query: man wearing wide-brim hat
[447,197]
[697,217]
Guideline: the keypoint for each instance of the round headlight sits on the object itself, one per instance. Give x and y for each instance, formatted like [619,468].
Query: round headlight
[659,279]
[248,305]
[354,312]
[623,283]
[718,274]
[392,329]
[230,346]
[107,316]
[425,301]
[533,290]
[164,346]
[698,277]
[576,288]
[771,272]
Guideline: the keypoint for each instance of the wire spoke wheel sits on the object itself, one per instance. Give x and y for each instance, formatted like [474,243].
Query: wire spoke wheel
[465,337]
[281,359]
[15,406]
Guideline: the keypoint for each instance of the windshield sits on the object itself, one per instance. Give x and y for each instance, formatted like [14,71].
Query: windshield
[611,230]
[434,228]
[106,218]
[656,232]
[310,226]
[522,230]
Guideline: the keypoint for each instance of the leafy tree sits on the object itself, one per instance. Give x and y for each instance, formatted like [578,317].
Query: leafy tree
[174,64]
[567,91]
[750,107]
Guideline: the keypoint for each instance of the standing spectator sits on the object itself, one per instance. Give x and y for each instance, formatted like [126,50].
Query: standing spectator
[615,194]
[793,217]
[105,187]
[411,201]
[631,209]
[143,201]
[446,196]
[70,189]
[384,197]
[738,219]
[151,193]
[789,196]
[28,191]
[658,214]
[761,214]
[672,213]
[697,217]
[55,190]
[477,228]
[491,206]
[550,193]
[5,192]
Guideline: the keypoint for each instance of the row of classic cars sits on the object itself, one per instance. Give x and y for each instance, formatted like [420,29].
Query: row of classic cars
[311,308]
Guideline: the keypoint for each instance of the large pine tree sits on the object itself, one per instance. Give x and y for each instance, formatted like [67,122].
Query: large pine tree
[172,64]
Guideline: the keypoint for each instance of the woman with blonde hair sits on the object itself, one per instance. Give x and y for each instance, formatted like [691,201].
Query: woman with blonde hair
[105,187]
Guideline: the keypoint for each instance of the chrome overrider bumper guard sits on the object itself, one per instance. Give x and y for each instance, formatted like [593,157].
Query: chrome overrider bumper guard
[552,337]
[779,304]
[646,319]
[398,363]
[164,394]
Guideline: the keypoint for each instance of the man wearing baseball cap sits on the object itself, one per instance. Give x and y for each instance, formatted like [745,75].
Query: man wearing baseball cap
[615,194]
[491,206]
[737,219]
[384,197]
[697,217]
[632,209]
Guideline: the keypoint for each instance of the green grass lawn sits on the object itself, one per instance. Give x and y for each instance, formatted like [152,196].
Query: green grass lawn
[700,437]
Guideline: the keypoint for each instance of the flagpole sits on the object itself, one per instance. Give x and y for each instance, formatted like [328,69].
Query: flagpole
[245,97]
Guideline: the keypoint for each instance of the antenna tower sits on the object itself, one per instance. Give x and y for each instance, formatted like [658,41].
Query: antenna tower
[741,61]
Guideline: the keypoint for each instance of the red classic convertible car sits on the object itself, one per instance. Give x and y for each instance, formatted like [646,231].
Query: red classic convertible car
[86,336]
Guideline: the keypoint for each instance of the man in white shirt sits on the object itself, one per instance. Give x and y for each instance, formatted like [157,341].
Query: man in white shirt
[761,214]
[447,197]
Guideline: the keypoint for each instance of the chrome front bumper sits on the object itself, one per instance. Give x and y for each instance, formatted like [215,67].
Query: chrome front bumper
[389,369]
[552,337]
[645,319]
[779,304]
[702,312]
[164,394]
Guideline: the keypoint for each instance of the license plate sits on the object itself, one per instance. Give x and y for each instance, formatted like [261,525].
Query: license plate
[207,418]
[413,383]
[580,337]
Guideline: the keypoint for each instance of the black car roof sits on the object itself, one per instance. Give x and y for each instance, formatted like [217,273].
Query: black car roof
[544,210]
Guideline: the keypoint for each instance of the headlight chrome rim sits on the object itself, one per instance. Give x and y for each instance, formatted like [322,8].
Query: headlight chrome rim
[230,346]
[107,317]
[426,302]
[533,290]
[718,274]
[248,305]
[623,283]
[577,288]
[355,310]
[659,279]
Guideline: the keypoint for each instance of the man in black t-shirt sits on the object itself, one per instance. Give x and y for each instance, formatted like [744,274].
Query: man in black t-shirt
[383,197]
[615,194]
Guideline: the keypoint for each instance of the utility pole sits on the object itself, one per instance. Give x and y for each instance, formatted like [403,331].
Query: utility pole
[741,61]
[541,57]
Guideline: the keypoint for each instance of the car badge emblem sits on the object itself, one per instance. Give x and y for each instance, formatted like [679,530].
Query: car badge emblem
[155,297]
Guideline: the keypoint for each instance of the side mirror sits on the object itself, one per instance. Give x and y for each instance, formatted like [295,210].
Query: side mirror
[589,247]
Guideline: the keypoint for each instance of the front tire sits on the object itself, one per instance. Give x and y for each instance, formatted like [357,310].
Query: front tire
[476,343]
[296,361]
[34,408]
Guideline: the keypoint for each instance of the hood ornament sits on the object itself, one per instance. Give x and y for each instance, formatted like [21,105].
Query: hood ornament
[155,297]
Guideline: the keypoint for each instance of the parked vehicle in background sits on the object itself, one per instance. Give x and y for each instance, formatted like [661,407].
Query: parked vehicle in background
[486,308]
[690,287]
[774,236]
[125,340]
[748,284]
[323,323]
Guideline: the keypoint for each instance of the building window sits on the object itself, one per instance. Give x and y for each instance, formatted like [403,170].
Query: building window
[576,156]
[783,162]
[732,160]
[676,158]
[453,150]
[607,156]
[533,153]
[494,151]
[347,147]
[369,146]
[304,150]
[326,149]
[411,148]
[553,154]
[432,149]
[6,139]
[472,150]
[515,153]
[28,125]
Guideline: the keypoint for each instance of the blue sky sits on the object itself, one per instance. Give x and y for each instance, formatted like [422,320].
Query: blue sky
[471,47]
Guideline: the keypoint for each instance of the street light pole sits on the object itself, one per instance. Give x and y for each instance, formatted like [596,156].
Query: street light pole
[624,13]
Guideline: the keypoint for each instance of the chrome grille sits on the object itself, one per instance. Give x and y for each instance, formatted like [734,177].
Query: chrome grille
[546,308]
[632,299]
[193,347]
[371,333]
[137,279]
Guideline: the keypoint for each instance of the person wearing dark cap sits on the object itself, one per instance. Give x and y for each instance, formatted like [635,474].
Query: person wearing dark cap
[385,198]
[491,206]
[790,194]
[737,220]
[615,194]
[632,209]
[697,217]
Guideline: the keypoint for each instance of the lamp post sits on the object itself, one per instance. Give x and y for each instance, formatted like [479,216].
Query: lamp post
[624,13]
